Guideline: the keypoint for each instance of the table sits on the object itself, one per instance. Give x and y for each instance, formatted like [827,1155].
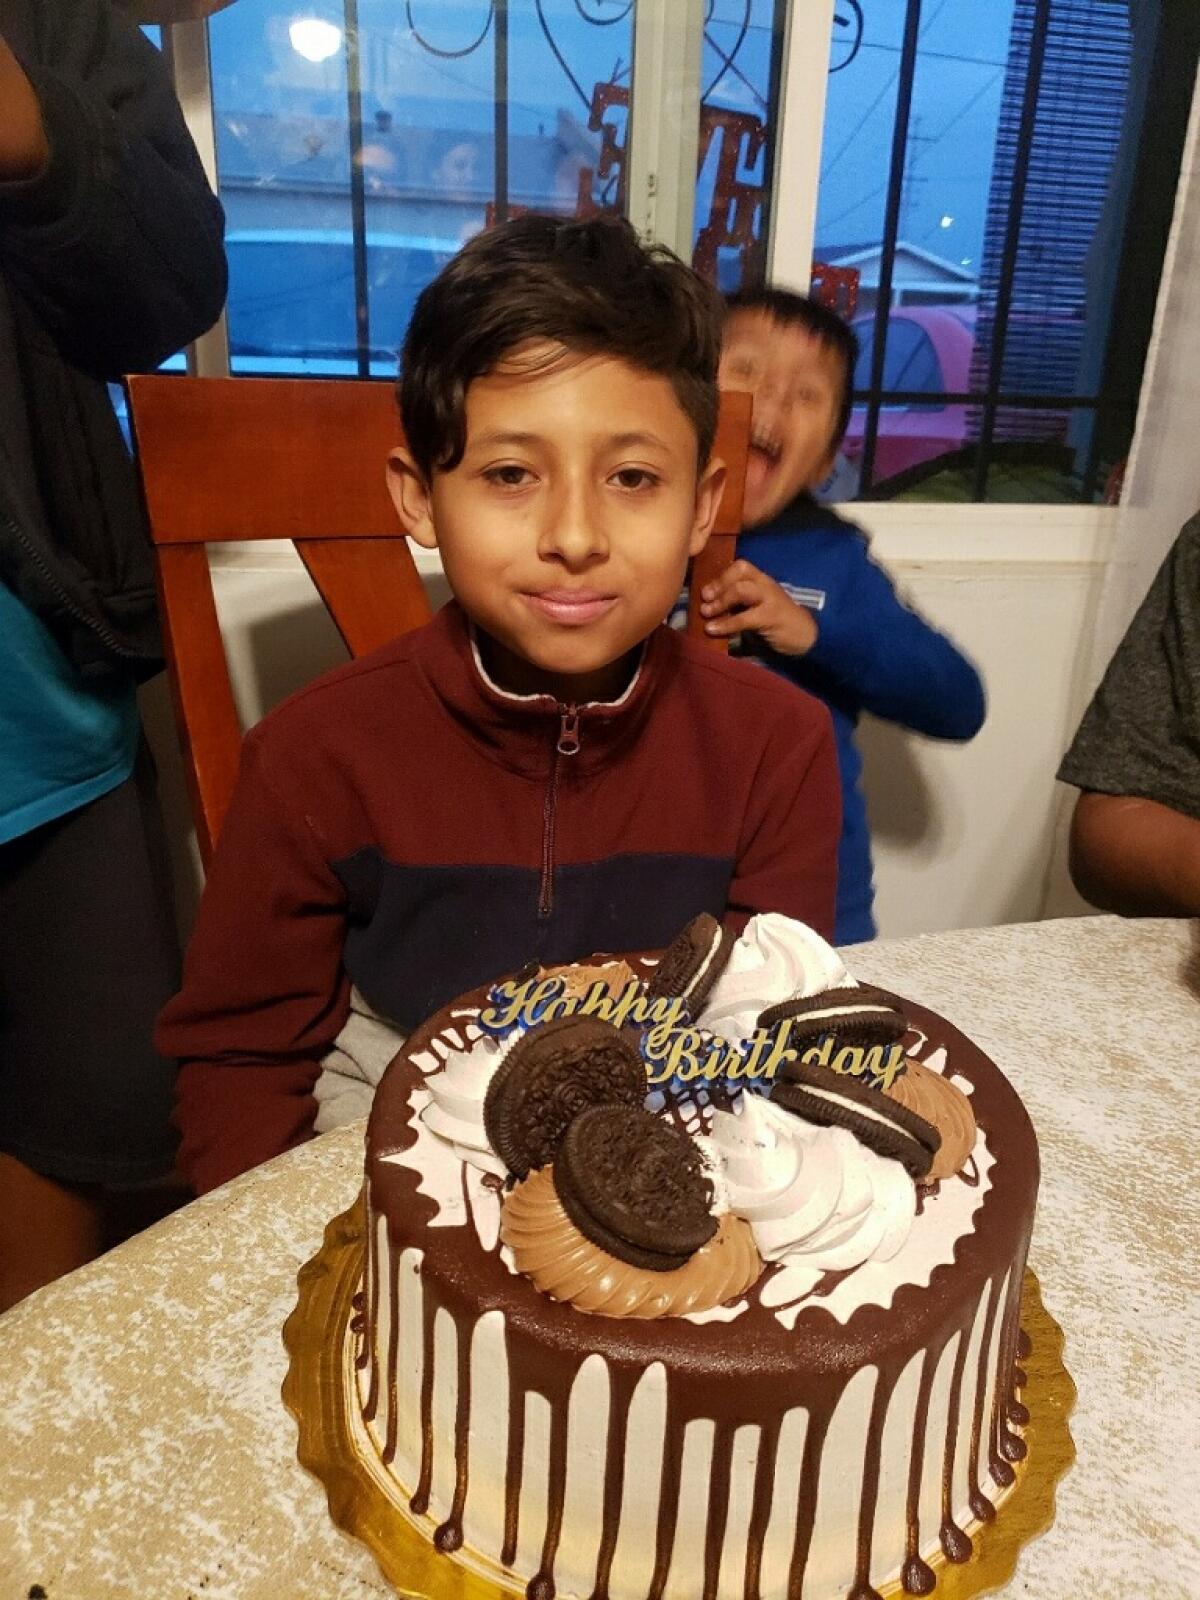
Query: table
[144,1449]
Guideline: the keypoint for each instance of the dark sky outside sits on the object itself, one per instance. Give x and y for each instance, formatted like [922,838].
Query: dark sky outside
[955,105]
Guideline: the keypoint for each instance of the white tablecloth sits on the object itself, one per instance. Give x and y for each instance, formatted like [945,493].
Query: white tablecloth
[145,1452]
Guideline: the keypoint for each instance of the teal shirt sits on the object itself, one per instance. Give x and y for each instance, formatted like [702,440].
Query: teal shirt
[62,742]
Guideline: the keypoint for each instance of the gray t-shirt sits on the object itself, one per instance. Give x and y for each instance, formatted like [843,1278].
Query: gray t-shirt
[1141,733]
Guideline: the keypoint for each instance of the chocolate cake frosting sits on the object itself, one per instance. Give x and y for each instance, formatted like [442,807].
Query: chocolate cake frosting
[845,1421]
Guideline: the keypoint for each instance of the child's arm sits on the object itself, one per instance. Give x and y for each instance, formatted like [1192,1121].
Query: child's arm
[893,662]
[264,992]
[113,237]
[897,665]
[787,855]
[24,150]
[1135,856]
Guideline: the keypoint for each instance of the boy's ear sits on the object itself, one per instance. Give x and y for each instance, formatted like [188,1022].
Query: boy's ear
[411,498]
[710,486]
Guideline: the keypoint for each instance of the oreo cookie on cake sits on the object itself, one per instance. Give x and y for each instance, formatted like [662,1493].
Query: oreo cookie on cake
[634,1186]
[834,1100]
[692,963]
[548,1077]
[854,1014]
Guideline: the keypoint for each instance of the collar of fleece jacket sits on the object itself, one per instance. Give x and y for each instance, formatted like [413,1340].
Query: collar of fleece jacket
[517,730]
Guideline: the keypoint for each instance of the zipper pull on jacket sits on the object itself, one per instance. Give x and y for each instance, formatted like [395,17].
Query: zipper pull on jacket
[568,731]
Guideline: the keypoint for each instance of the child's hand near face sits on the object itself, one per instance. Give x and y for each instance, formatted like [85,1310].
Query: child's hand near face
[745,600]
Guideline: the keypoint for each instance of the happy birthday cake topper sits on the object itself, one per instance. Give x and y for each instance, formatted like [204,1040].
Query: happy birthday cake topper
[674,1050]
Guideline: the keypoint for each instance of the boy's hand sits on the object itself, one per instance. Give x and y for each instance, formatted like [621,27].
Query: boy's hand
[745,600]
[24,150]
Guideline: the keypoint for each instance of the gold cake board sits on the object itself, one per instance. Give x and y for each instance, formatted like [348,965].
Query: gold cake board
[315,1391]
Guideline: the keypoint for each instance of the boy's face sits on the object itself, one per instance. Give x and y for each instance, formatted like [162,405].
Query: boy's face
[566,527]
[796,381]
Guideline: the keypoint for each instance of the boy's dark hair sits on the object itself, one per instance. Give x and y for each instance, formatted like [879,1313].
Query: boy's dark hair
[797,310]
[591,287]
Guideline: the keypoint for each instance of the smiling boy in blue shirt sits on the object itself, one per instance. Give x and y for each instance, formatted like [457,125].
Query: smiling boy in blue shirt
[804,592]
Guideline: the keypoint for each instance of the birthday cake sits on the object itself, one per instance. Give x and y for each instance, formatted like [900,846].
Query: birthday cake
[695,1278]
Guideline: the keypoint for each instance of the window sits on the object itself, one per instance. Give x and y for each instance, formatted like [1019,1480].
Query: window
[981,179]
[739,101]
[995,190]
[360,145]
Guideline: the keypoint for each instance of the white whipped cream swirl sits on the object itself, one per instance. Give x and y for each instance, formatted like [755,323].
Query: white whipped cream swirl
[775,959]
[815,1198]
[455,1108]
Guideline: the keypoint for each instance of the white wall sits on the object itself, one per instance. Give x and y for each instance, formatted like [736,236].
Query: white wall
[964,834]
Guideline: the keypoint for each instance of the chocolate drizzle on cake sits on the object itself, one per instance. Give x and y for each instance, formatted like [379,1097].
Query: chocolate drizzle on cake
[917,1576]
[954,1541]
[546,1346]
[622,1384]
[862,1588]
[449,1536]
[981,1506]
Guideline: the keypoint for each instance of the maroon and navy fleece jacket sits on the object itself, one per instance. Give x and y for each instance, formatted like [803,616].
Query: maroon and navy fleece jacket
[405,826]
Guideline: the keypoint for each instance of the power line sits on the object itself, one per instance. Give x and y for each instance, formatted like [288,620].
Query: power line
[934,139]
[940,55]
[858,204]
[854,132]
[962,110]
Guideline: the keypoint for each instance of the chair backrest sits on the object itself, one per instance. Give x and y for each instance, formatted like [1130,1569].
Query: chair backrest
[732,445]
[231,459]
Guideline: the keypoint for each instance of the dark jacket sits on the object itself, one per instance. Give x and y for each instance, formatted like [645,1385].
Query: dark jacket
[405,826]
[109,262]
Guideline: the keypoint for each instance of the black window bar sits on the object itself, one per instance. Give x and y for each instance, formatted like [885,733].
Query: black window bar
[498,18]
[1012,238]
[500,97]
[891,228]
[358,192]
[991,397]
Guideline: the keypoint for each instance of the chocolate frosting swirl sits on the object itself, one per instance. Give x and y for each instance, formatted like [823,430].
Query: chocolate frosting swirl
[615,975]
[550,1250]
[943,1104]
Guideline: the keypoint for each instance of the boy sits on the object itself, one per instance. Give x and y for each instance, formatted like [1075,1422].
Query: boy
[540,772]
[804,589]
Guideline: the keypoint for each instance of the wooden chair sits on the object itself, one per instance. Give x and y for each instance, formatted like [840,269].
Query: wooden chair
[733,446]
[232,459]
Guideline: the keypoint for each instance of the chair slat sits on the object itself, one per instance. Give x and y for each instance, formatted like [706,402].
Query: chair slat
[371,587]
[205,711]
[732,445]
